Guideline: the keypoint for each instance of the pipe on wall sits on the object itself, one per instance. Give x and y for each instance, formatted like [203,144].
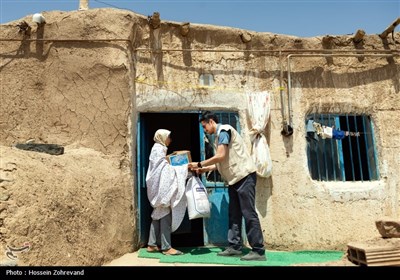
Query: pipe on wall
[287,130]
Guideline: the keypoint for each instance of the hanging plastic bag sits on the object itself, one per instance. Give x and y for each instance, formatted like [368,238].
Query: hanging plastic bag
[197,199]
[262,157]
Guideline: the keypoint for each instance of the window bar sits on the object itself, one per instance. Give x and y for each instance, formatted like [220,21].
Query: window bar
[327,151]
[230,119]
[339,149]
[358,150]
[351,149]
[214,150]
[324,153]
[332,150]
[366,148]
[237,125]
[317,152]
[204,176]
[326,162]
[309,157]
[371,126]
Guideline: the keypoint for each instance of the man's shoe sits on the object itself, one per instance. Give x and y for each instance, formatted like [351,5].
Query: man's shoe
[253,256]
[229,251]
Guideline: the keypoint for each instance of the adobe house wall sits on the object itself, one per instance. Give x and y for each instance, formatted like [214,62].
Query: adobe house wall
[296,212]
[76,208]
[86,96]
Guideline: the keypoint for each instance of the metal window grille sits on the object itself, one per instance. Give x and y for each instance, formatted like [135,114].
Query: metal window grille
[352,158]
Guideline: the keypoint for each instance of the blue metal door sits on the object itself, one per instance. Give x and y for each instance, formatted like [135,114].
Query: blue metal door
[216,227]
[143,150]
[181,124]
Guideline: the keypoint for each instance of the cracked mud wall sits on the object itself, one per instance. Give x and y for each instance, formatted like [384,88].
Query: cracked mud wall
[68,92]
[75,208]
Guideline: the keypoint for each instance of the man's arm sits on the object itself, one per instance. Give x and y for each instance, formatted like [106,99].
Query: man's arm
[222,151]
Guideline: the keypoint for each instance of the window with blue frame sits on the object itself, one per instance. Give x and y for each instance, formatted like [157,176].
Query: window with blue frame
[346,153]
[213,179]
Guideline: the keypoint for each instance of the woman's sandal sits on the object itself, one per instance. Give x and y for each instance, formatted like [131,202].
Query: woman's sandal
[153,249]
[172,252]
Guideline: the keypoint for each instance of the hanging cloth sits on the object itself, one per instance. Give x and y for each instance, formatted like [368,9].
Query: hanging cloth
[258,106]
[327,132]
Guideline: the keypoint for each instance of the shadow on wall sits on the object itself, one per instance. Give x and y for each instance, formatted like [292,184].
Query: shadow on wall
[318,77]
[263,194]
[157,55]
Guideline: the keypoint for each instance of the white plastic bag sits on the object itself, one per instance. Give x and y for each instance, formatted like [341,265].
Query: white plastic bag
[262,157]
[197,199]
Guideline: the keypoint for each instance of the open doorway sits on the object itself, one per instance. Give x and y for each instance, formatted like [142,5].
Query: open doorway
[185,136]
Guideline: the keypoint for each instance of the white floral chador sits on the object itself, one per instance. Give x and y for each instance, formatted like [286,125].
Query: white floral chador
[166,183]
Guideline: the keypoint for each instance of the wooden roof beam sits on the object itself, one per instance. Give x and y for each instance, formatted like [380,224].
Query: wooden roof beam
[390,28]
[359,36]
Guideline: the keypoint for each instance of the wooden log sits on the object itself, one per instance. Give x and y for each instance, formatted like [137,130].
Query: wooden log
[154,20]
[359,36]
[246,37]
[390,28]
[185,28]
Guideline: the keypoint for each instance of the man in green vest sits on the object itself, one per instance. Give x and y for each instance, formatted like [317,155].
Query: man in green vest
[237,168]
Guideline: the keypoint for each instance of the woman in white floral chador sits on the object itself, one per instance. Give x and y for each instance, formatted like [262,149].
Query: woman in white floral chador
[166,193]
